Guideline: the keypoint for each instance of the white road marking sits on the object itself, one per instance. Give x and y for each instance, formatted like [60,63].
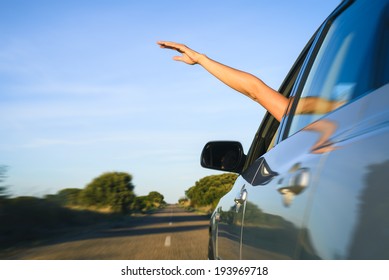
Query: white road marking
[171,217]
[168,241]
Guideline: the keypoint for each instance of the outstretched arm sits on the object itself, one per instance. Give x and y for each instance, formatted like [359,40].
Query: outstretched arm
[240,81]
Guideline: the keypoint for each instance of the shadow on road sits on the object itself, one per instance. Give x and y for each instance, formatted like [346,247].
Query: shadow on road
[165,221]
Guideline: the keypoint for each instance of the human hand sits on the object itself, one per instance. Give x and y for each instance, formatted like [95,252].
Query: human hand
[188,56]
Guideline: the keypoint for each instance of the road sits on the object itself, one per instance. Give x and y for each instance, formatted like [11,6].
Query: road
[169,234]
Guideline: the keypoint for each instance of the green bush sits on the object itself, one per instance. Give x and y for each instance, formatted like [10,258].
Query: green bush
[148,202]
[208,190]
[111,189]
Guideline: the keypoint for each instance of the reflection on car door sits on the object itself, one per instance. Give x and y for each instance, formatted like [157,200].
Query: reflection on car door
[278,196]
[348,216]
[229,216]
[276,208]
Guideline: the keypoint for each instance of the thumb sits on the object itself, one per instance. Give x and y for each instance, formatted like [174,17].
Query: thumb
[184,58]
[178,58]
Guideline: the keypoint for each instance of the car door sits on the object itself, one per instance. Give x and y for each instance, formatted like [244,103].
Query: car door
[347,217]
[326,105]
[348,213]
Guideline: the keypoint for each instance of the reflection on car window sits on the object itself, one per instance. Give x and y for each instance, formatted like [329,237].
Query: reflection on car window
[336,76]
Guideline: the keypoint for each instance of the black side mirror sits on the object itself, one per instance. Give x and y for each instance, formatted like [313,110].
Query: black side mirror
[223,155]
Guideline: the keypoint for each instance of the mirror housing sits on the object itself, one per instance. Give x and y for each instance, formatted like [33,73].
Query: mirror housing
[224,156]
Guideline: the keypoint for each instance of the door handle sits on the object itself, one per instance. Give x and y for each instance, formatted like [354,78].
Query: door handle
[297,182]
[241,198]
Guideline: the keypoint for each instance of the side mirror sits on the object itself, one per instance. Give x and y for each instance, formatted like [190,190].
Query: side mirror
[223,155]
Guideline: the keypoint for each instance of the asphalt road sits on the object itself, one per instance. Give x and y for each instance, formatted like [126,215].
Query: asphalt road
[169,234]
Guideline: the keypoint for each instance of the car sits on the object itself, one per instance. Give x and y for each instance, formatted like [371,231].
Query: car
[316,184]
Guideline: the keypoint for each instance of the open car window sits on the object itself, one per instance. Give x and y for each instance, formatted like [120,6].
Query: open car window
[266,135]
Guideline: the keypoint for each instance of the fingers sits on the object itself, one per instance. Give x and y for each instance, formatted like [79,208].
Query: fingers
[171,45]
[188,55]
[167,44]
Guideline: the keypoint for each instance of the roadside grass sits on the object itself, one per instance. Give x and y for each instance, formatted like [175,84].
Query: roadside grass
[203,210]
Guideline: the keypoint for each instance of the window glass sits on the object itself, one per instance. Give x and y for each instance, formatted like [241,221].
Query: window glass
[337,73]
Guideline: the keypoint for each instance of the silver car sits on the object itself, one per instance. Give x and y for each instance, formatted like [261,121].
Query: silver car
[316,185]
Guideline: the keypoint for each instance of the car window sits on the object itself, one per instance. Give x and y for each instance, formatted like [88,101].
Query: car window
[340,69]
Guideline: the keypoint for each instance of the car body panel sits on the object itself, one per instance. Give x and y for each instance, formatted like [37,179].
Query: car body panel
[229,217]
[348,216]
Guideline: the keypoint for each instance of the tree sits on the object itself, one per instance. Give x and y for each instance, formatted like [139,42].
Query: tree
[208,190]
[139,203]
[148,202]
[156,197]
[111,189]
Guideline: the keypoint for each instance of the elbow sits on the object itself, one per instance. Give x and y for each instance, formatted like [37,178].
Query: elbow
[280,107]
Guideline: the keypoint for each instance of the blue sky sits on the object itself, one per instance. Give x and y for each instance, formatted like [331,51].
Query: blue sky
[84,89]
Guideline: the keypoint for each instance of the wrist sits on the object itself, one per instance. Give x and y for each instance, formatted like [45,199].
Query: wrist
[201,59]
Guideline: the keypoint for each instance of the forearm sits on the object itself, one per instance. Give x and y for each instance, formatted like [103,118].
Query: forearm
[248,85]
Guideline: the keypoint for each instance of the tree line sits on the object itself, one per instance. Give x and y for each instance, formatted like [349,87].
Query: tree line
[113,191]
